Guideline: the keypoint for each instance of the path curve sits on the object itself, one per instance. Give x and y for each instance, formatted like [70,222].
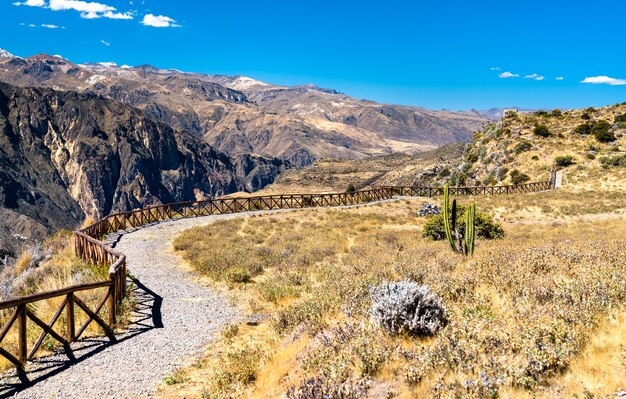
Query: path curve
[177,316]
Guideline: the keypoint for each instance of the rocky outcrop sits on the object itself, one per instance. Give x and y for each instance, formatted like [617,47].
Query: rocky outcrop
[65,155]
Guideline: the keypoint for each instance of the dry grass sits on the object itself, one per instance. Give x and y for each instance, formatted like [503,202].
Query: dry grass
[529,314]
[60,270]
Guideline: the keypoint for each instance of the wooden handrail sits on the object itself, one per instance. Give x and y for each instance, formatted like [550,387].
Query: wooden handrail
[89,246]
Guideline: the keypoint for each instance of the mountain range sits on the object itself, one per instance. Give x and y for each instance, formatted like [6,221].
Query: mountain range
[84,140]
[239,115]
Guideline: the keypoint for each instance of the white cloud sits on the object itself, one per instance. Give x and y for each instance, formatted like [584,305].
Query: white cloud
[50,26]
[105,43]
[495,68]
[505,75]
[159,21]
[31,3]
[559,78]
[88,10]
[534,76]
[604,80]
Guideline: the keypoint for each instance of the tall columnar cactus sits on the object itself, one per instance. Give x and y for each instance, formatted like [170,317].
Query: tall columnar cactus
[463,244]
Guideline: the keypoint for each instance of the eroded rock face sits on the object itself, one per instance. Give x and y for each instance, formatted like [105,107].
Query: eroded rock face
[67,155]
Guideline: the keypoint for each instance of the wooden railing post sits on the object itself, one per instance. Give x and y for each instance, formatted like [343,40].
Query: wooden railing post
[22,339]
[71,324]
[112,303]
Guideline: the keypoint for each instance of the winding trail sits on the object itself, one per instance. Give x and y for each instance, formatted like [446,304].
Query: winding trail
[176,317]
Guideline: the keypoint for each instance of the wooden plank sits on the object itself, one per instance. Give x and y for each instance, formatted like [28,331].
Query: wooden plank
[22,338]
[47,329]
[93,316]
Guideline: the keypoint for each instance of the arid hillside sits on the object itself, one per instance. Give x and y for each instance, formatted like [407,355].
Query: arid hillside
[522,147]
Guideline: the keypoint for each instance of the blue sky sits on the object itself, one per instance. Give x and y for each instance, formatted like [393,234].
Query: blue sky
[436,54]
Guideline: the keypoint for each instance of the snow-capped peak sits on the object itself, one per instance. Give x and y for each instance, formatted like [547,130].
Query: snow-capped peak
[108,64]
[244,82]
[6,54]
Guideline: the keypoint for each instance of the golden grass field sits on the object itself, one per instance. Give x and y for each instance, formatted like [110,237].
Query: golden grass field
[539,313]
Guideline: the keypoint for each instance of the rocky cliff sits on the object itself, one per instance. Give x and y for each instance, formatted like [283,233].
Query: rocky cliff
[67,155]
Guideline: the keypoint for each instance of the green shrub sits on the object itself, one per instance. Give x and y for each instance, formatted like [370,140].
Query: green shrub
[556,113]
[583,129]
[542,131]
[350,188]
[535,158]
[564,161]
[601,131]
[617,161]
[585,116]
[522,147]
[518,177]
[472,157]
[275,291]
[620,118]
[445,172]
[502,173]
[484,224]
[238,275]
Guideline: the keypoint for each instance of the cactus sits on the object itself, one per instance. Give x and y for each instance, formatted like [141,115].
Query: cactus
[465,244]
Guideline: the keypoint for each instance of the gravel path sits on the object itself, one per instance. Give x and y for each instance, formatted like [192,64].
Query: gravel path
[176,317]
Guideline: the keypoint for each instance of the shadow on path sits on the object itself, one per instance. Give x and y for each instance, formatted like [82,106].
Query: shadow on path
[146,316]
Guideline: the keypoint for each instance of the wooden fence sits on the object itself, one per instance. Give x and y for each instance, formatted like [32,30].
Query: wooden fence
[88,246]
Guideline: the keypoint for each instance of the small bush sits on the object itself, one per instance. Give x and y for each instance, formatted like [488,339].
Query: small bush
[522,147]
[230,331]
[601,131]
[350,188]
[618,161]
[542,131]
[535,158]
[238,275]
[583,129]
[484,224]
[564,161]
[502,173]
[585,116]
[405,307]
[518,177]
[322,387]
[556,113]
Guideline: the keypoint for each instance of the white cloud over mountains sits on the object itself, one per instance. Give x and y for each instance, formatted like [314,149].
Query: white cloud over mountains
[159,21]
[604,80]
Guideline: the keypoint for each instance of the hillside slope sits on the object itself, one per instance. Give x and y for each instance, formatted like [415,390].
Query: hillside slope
[530,144]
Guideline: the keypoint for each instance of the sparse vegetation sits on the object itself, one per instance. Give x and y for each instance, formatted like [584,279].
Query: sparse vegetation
[541,131]
[518,177]
[564,160]
[513,300]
